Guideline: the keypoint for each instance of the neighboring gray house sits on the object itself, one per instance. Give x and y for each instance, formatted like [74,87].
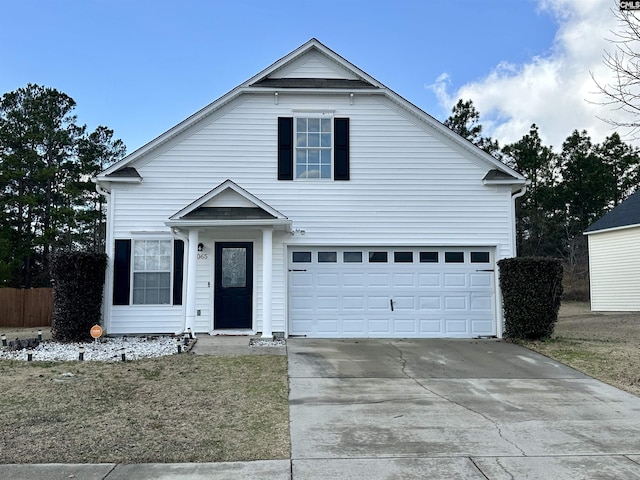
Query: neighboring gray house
[309,200]
[614,258]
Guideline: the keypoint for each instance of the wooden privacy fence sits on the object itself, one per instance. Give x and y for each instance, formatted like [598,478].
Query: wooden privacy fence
[26,308]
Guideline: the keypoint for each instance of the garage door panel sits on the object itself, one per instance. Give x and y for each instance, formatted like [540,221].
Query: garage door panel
[404,280]
[405,326]
[459,326]
[353,303]
[455,280]
[404,303]
[353,280]
[482,280]
[379,327]
[378,280]
[455,303]
[354,299]
[302,279]
[430,303]
[328,303]
[426,280]
[327,279]
[432,326]
[378,303]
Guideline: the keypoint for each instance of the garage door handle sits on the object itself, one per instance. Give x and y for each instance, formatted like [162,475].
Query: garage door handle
[490,270]
[297,270]
[391,302]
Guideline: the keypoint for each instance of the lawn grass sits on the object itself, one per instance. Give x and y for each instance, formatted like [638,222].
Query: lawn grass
[605,346]
[181,408]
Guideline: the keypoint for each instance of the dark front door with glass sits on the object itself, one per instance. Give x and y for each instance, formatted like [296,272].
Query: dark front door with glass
[233,285]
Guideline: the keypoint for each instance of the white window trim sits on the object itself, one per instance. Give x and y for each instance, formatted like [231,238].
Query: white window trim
[321,114]
[133,271]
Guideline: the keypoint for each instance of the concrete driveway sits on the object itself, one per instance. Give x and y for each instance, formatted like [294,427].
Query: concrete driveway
[444,409]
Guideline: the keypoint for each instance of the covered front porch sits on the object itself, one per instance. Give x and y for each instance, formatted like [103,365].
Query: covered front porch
[229,263]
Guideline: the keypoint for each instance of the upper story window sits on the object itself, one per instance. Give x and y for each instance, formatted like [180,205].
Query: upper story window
[313,147]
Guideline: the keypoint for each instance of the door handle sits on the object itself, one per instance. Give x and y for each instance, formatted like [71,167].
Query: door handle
[391,303]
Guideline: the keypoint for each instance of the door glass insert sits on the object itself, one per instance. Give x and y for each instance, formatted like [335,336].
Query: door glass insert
[234,267]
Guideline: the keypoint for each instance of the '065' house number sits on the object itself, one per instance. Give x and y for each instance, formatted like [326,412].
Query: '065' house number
[203,256]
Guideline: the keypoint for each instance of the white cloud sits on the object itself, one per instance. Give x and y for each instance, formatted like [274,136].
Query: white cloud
[555,91]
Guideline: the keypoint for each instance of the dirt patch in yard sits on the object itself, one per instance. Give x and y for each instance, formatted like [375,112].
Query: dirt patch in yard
[180,408]
[605,345]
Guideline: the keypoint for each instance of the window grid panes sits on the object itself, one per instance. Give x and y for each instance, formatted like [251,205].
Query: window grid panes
[152,272]
[313,147]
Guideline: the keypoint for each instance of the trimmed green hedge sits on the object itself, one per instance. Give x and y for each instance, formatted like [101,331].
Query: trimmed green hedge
[78,282]
[531,294]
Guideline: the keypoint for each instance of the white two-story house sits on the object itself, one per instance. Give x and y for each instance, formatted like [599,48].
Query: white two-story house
[311,200]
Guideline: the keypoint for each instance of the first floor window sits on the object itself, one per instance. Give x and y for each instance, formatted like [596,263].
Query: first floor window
[152,272]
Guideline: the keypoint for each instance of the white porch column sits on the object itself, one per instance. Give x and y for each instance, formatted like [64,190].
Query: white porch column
[192,262]
[267,276]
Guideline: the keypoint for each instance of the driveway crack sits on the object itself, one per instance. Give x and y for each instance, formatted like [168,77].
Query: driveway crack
[496,425]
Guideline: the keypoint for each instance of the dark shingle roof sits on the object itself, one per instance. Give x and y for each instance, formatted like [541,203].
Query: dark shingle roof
[229,213]
[625,214]
[498,175]
[312,83]
[125,172]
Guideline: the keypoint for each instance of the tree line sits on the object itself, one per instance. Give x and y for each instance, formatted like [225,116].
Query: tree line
[569,189]
[48,202]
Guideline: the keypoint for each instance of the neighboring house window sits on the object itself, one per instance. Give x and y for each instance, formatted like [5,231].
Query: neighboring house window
[152,272]
[148,272]
[313,147]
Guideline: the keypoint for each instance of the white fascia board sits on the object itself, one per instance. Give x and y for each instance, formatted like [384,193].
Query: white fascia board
[277,223]
[103,179]
[612,229]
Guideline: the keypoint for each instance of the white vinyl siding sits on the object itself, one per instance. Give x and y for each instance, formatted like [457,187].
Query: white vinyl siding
[408,185]
[614,269]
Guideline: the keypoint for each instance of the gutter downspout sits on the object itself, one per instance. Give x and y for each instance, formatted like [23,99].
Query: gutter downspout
[108,247]
[515,195]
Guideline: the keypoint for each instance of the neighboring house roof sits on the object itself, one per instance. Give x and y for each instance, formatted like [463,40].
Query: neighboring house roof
[627,214]
[349,79]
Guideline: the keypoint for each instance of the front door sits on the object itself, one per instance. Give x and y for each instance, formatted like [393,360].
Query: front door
[233,285]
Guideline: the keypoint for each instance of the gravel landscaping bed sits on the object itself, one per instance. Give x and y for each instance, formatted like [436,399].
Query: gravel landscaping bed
[105,349]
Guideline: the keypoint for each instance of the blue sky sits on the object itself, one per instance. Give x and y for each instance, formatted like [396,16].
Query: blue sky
[140,67]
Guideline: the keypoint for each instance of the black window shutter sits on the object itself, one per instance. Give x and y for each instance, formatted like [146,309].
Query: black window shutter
[285,148]
[178,271]
[341,149]
[121,272]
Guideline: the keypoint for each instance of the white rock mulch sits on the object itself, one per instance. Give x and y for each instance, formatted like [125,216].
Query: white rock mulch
[104,350]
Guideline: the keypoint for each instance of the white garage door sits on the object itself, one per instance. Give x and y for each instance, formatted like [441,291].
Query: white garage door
[392,292]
